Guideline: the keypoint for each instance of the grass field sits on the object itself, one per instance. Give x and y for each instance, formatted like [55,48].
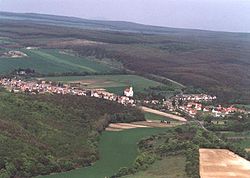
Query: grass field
[117,149]
[172,167]
[113,83]
[51,61]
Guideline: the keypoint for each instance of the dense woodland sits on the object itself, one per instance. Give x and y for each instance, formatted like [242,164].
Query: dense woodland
[41,134]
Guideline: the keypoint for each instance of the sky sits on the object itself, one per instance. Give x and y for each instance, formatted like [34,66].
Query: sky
[219,15]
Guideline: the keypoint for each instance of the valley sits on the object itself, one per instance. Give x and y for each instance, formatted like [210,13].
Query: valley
[87,98]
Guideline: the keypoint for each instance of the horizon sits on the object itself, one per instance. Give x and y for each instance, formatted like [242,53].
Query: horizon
[220,16]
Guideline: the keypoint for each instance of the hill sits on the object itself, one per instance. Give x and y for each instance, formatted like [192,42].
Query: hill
[217,62]
[47,19]
[41,134]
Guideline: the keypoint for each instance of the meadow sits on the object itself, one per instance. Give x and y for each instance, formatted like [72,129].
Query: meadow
[117,149]
[112,83]
[51,62]
[171,166]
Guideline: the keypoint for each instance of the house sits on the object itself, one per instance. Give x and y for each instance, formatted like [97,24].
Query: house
[129,92]
[206,109]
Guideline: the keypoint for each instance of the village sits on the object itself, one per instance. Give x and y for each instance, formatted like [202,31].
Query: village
[195,104]
[43,87]
[190,104]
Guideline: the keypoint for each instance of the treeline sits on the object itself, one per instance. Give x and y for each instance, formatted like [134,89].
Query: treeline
[42,134]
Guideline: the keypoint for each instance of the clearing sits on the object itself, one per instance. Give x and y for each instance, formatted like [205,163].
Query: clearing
[222,163]
[52,61]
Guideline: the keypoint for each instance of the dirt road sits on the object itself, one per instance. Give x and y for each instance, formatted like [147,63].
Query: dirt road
[171,116]
[222,163]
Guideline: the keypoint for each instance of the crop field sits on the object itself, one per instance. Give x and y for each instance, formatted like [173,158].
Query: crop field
[171,166]
[240,138]
[51,61]
[5,41]
[113,83]
[221,163]
[117,149]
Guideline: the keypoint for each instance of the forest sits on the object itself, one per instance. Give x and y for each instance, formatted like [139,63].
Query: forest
[41,134]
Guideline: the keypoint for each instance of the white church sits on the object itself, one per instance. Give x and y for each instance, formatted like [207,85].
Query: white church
[129,92]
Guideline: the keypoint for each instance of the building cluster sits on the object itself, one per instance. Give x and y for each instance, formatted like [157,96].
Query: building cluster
[42,87]
[192,108]
[195,97]
[14,54]
[220,111]
[102,93]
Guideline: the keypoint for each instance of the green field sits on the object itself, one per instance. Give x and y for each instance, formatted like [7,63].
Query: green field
[113,83]
[117,149]
[52,61]
[171,166]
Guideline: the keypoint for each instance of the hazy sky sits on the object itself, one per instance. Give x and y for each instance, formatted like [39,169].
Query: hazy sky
[225,15]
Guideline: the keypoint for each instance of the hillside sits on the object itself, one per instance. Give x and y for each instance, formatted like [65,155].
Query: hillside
[44,134]
[217,62]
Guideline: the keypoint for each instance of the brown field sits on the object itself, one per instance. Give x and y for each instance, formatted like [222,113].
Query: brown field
[222,163]
[171,116]
[248,149]
[140,124]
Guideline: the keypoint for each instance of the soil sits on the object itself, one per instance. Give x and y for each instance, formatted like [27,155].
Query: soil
[222,163]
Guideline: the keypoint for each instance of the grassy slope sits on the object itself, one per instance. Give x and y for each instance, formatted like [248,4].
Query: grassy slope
[171,166]
[115,83]
[117,149]
[51,61]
